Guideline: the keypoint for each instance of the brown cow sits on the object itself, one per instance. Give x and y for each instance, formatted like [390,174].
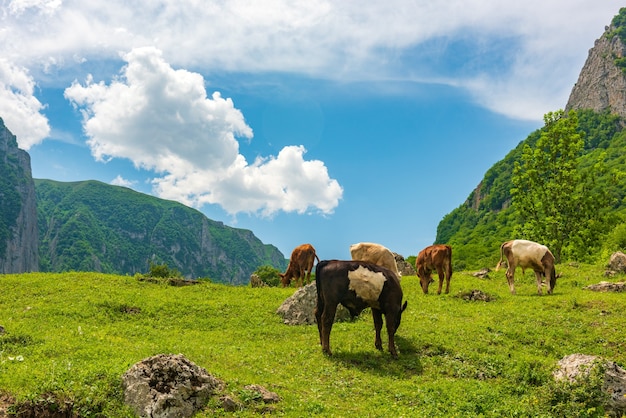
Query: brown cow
[358,285]
[300,265]
[528,254]
[438,257]
[374,253]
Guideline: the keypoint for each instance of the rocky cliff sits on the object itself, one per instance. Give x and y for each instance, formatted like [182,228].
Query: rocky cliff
[18,212]
[601,84]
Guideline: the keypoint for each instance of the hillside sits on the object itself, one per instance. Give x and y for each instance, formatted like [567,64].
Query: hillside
[92,226]
[478,226]
[68,338]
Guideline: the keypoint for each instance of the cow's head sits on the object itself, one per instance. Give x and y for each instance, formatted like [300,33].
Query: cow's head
[399,316]
[425,278]
[285,279]
[552,278]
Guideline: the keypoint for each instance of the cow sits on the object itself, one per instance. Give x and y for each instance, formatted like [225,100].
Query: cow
[528,254]
[374,253]
[438,257]
[357,285]
[300,265]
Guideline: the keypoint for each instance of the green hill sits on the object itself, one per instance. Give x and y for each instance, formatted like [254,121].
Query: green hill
[486,219]
[92,226]
[69,337]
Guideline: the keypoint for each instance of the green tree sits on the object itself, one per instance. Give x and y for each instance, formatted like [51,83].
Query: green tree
[269,275]
[557,200]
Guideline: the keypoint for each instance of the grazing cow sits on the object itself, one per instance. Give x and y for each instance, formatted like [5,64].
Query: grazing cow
[357,285]
[300,265]
[528,254]
[438,257]
[374,253]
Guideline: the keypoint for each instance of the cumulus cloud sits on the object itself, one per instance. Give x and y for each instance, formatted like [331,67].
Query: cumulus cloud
[19,108]
[161,119]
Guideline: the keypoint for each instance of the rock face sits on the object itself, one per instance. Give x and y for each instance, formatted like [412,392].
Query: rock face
[577,366]
[299,308]
[602,84]
[19,238]
[168,386]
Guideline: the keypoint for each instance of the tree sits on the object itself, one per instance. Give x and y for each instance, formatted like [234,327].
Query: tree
[556,199]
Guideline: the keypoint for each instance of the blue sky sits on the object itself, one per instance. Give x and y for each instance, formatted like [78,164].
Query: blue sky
[304,121]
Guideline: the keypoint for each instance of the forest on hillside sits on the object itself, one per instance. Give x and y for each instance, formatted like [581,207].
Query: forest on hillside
[489,216]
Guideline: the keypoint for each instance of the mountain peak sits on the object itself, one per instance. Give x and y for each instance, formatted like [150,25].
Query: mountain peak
[601,84]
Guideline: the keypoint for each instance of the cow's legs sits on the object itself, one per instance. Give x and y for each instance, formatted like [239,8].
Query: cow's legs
[390,322]
[441,277]
[318,317]
[378,325]
[327,319]
[510,277]
[539,276]
[549,271]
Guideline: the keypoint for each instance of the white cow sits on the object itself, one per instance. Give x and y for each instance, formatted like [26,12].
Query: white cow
[528,254]
[376,254]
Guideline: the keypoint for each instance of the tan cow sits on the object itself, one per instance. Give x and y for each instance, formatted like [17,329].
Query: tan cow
[438,257]
[300,265]
[376,254]
[528,254]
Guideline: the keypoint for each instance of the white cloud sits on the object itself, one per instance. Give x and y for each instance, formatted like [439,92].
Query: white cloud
[121,181]
[531,50]
[19,108]
[161,119]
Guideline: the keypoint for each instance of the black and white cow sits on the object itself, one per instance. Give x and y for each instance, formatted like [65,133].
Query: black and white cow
[528,254]
[357,285]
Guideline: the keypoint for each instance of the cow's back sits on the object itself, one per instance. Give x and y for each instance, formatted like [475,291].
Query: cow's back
[374,253]
[527,253]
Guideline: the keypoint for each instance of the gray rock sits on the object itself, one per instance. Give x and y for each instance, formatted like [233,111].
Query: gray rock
[299,308]
[607,287]
[168,386]
[577,366]
[404,268]
[617,262]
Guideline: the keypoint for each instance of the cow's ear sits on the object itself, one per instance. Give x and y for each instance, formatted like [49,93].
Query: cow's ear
[404,306]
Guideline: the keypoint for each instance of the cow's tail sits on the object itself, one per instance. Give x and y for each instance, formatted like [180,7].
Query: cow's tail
[449,263]
[501,257]
[318,269]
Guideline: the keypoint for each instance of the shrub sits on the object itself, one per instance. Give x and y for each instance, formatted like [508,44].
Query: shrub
[269,275]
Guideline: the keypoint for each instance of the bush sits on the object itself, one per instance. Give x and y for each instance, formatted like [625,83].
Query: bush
[268,275]
[162,271]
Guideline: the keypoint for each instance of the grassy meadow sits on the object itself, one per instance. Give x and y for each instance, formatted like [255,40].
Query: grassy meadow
[69,337]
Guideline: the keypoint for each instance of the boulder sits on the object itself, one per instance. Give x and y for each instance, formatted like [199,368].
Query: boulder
[299,308]
[255,281]
[607,287]
[165,386]
[617,262]
[404,268]
[483,273]
[578,366]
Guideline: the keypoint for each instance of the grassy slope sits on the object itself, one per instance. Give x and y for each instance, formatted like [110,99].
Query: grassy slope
[77,333]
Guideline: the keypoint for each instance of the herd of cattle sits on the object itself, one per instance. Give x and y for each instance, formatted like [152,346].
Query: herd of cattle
[371,279]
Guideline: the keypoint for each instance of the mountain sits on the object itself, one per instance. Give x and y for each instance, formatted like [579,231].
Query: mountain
[18,214]
[92,226]
[477,227]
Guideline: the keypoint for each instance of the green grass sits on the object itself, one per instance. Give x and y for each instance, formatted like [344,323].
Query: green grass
[71,336]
